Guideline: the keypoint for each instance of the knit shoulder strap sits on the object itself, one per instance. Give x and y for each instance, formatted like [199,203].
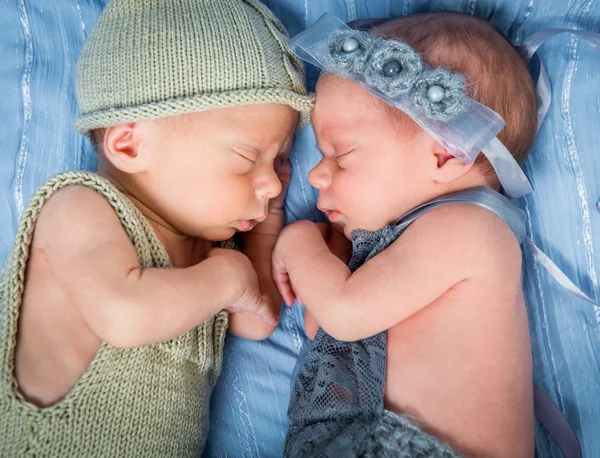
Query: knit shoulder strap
[149,249]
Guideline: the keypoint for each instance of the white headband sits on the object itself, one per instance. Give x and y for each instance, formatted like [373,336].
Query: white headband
[435,98]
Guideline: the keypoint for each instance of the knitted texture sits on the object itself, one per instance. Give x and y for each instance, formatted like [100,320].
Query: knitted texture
[454,101]
[349,64]
[147,59]
[366,62]
[410,62]
[146,401]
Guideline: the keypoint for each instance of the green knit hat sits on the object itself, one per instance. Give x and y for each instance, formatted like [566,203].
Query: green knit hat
[147,59]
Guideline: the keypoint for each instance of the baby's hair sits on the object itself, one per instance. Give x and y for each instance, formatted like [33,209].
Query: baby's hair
[495,73]
[97,138]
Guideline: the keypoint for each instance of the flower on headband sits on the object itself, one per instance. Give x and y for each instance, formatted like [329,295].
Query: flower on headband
[393,68]
[440,94]
[348,52]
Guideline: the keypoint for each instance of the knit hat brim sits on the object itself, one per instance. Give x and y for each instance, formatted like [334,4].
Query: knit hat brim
[114,116]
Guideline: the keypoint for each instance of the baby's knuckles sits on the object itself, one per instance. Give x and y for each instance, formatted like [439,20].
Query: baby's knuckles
[243,279]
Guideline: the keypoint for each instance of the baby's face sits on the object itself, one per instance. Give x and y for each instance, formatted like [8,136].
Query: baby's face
[373,169]
[214,172]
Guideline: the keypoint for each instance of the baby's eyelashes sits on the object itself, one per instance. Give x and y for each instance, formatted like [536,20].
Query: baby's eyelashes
[256,154]
[344,152]
[336,149]
[247,154]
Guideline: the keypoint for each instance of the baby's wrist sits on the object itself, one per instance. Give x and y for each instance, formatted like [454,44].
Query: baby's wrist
[234,282]
[298,237]
[301,230]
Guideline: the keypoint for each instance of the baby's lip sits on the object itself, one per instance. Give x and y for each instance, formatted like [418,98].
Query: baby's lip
[260,219]
[332,215]
[246,225]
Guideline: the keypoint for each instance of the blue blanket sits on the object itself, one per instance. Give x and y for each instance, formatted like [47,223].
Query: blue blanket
[39,44]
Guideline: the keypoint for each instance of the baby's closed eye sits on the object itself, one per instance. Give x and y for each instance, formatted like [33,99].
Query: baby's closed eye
[249,155]
[344,153]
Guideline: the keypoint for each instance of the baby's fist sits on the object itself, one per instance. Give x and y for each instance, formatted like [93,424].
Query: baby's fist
[247,296]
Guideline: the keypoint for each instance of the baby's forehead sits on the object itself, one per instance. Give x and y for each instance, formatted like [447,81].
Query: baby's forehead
[343,102]
[345,94]
[257,125]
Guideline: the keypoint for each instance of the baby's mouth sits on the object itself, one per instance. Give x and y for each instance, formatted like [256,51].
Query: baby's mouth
[245,225]
[332,215]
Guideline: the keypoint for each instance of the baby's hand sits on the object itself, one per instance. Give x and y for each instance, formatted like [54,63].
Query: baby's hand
[302,235]
[249,297]
[281,277]
[286,243]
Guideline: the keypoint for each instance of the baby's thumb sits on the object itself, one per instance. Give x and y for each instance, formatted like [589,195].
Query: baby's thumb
[266,312]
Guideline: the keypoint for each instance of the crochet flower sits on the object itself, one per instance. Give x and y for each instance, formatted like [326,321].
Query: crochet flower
[348,52]
[440,94]
[393,68]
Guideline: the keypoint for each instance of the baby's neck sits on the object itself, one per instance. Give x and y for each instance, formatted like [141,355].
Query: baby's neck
[183,250]
[438,190]
[468,181]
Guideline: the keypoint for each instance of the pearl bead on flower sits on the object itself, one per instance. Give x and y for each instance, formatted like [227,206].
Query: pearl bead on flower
[350,45]
[435,93]
[391,68]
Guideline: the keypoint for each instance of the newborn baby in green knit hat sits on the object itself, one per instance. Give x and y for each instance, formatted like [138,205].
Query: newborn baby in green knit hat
[115,296]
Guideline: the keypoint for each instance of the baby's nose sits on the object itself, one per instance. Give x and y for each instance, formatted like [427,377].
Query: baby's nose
[268,186]
[320,176]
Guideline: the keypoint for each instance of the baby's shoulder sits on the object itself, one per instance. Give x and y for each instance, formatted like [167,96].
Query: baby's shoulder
[474,220]
[466,231]
[75,215]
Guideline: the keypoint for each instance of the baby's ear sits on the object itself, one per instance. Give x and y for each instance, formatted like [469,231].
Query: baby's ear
[447,168]
[121,148]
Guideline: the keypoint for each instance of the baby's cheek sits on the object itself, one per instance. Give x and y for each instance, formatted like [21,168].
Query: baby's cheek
[236,195]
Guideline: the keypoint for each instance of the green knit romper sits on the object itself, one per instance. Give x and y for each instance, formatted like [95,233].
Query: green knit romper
[149,401]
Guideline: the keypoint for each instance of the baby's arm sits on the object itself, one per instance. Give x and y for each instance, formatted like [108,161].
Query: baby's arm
[341,247]
[258,245]
[259,249]
[89,255]
[441,249]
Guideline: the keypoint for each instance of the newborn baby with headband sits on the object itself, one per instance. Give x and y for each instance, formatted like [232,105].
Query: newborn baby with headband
[427,319]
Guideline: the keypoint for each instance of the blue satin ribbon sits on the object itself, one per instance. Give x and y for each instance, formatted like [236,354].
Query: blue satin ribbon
[556,273]
[529,47]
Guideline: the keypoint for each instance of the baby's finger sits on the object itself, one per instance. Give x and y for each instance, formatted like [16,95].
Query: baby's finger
[287,293]
[266,313]
[296,295]
[282,281]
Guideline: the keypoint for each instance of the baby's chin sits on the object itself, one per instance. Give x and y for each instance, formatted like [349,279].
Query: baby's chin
[347,230]
[218,234]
